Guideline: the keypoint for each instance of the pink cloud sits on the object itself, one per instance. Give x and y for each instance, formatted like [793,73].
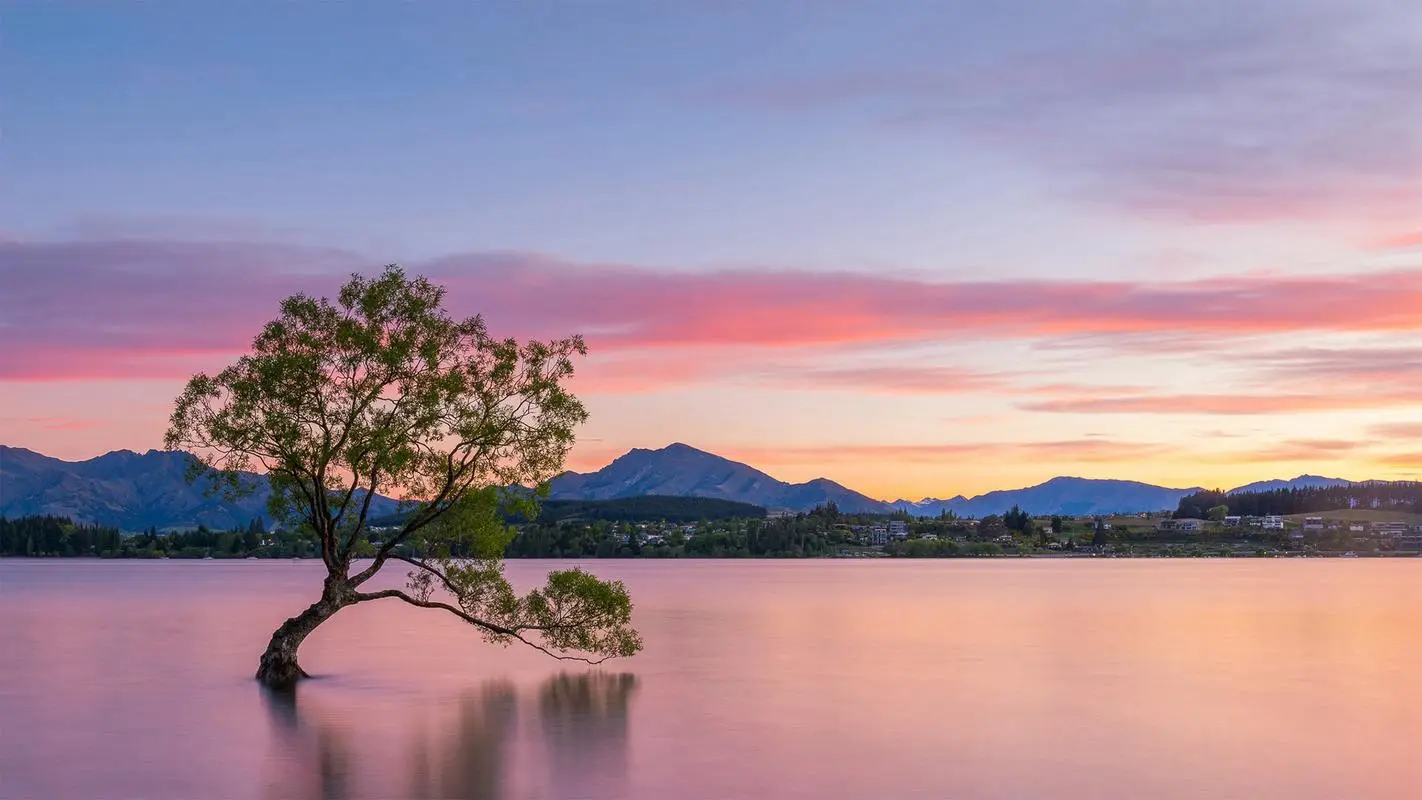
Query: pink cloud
[636,372]
[1398,430]
[1374,367]
[1303,450]
[892,380]
[159,309]
[1404,241]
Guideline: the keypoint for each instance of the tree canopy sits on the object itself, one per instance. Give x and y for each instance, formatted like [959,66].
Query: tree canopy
[383,392]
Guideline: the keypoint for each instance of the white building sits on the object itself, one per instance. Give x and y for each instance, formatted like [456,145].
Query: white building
[1390,528]
[898,529]
[878,535]
[1273,522]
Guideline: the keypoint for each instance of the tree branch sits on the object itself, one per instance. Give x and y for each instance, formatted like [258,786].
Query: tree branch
[500,630]
[364,512]
[444,579]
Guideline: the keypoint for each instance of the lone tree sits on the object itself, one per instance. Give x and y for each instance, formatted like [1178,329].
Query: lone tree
[383,391]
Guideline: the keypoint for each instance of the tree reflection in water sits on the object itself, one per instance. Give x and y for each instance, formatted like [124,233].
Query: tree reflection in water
[581,719]
[471,762]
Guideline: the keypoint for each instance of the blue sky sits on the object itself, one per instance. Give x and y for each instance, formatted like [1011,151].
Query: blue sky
[622,133]
[1072,150]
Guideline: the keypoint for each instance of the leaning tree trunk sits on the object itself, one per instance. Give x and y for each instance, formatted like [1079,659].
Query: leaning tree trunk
[278,667]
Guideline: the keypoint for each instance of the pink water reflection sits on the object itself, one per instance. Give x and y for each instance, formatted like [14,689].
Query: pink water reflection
[965,679]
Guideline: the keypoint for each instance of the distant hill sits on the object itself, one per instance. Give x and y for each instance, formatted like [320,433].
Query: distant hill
[1064,495]
[679,470]
[1301,482]
[126,490]
[134,491]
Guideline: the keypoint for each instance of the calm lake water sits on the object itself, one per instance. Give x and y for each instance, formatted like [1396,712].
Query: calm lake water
[806,679]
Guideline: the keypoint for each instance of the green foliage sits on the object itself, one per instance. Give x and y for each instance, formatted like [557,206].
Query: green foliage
[1017,520]
[1218,513]
[381,389]
[56,536]
[383,392]
[924,548]
[471,528]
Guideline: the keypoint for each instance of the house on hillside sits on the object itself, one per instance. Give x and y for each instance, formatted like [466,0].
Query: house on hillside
[1186,525]
[1313,523]
[898,529]
[1273,522]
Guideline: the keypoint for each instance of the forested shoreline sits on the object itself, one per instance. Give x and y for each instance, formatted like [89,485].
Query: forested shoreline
[1393,496]
[820,533]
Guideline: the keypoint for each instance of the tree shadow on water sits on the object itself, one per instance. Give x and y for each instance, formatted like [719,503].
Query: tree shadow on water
[568,739]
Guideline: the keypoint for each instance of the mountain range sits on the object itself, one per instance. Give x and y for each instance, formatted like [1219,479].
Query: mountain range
[1301,482]
[1061,495]
[135,491]
[680,470]
[127,490]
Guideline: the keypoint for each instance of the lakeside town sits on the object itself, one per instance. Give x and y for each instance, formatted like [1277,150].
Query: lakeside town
[823,532]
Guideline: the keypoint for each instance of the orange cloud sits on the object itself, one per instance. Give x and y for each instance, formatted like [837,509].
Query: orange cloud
[1413,459]
[1227,404]
[1093,450]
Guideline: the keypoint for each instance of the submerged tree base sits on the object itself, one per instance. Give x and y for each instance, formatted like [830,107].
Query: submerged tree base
[279,673]
[278,667]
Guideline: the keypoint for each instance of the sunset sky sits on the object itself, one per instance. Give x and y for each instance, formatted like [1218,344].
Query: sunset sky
[920,248]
